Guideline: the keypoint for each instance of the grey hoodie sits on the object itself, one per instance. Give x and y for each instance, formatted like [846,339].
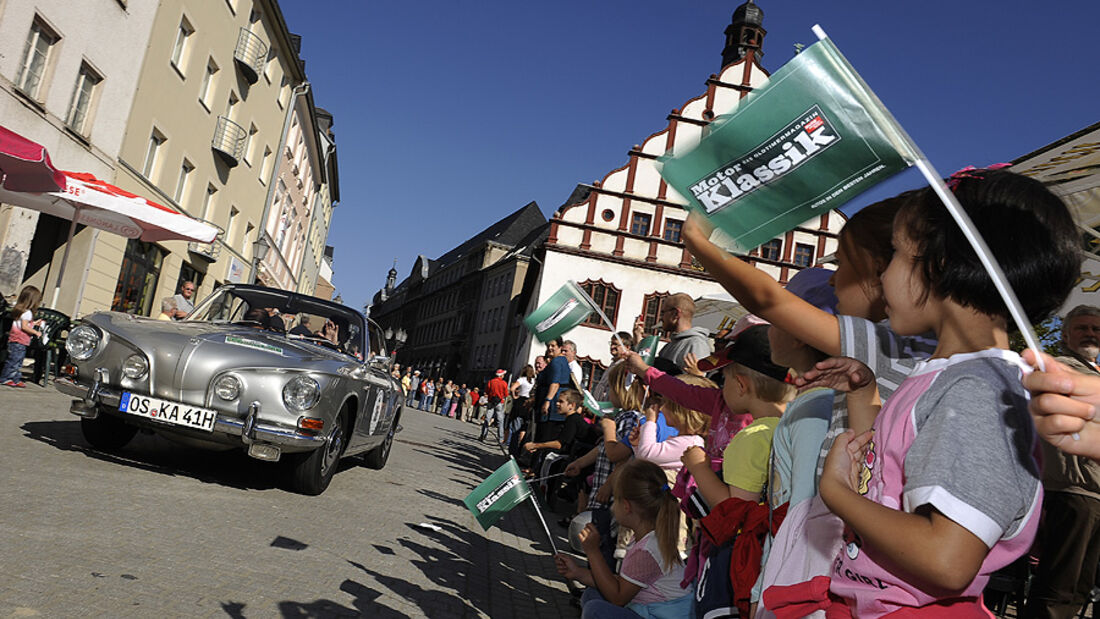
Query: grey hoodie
[694,340]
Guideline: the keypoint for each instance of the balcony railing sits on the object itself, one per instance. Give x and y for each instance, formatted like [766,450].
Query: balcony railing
[229,140]
[206,251]
[251,53]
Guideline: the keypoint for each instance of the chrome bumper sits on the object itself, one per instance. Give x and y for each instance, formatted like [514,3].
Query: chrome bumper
[250,429]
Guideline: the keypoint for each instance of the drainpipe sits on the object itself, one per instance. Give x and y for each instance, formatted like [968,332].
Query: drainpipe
[299,90]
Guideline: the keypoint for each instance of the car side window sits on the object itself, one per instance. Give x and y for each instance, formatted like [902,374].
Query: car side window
[375,345]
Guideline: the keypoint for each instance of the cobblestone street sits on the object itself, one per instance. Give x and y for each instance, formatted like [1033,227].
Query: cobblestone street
[161,530]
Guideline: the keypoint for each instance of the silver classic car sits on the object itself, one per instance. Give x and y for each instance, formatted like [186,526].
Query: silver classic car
[282,375]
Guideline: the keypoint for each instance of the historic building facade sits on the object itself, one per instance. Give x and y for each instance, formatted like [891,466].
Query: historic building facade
[619,238]
[192,109]
[458,313]
[66,86]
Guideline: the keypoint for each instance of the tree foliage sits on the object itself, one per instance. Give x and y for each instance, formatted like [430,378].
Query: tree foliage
[1049,333]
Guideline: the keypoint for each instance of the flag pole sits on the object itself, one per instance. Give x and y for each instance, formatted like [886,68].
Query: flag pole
[603,316]
[935,181]
[535,503]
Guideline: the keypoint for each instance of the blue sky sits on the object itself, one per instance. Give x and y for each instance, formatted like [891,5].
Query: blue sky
[451,115]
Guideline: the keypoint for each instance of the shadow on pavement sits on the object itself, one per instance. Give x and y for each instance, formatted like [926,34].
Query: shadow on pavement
[151,453]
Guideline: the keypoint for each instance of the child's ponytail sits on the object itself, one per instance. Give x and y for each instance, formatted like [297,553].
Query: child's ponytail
[645,486]
[668,528]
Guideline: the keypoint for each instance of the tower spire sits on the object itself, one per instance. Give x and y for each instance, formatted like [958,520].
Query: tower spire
[744,34]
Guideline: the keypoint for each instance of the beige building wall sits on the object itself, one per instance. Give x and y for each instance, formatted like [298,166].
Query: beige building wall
[44,113]
[299,176]
[192,89]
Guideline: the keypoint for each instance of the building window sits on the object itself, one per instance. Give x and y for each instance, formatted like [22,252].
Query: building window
[181,185]
[252,131]
[652,305]
[207,83]
[591,371]
[606,297]
[283,88]
[137,280]
[84,93]
[156,140]
[265,168]
[803,254]
[673,227]
[179,50]
[36,58]
[208,202]
[771,250]
[231,226]
[231,105]
[639,224]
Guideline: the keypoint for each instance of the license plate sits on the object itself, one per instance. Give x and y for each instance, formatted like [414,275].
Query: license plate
[167,411]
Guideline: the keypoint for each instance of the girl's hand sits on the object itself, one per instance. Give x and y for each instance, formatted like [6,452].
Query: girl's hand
[1064,403]
[691,364]
[839,373]
[529,447]
[636,434]
[589,538]
[572,470]
[635,363]
[567,567]
[693,456]
[844,464]
[639,329]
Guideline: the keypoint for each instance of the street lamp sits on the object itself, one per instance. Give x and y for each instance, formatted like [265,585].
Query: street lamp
[395,339]
[260,247]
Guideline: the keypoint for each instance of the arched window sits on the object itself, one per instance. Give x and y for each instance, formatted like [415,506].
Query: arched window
[652,306]
[591,370]
[606,297]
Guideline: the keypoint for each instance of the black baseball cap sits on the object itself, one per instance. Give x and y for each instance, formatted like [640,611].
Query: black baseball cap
[751,349]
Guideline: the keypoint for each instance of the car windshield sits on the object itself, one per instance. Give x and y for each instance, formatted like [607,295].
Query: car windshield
[292,315]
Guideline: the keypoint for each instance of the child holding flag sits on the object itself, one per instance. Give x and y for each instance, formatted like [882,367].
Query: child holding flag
[948,490]
[648,582]
[614,449]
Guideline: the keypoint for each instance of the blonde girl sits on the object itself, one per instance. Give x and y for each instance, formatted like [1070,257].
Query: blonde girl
[648,582]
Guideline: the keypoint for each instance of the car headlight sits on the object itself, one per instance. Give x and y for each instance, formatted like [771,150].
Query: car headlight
[82,342]
[135,366]
[301,393]
[228,387]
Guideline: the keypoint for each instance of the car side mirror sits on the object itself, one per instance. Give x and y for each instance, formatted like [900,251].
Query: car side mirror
[379,362]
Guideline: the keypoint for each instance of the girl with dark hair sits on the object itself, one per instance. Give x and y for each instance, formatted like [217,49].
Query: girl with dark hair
[948,490]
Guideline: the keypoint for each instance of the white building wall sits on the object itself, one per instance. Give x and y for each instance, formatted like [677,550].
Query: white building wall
[117,59]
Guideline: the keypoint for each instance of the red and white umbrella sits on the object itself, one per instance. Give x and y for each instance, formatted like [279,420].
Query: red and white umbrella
[25,165]
[91,202]
[84,199]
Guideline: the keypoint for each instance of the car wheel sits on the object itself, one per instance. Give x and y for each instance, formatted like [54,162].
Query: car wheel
[376,458]
[311,472]
[107,432]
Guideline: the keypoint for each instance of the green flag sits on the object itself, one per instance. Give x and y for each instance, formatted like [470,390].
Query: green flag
[565,309]
[647,348]
[498,494]
[599,408]
[812,138]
